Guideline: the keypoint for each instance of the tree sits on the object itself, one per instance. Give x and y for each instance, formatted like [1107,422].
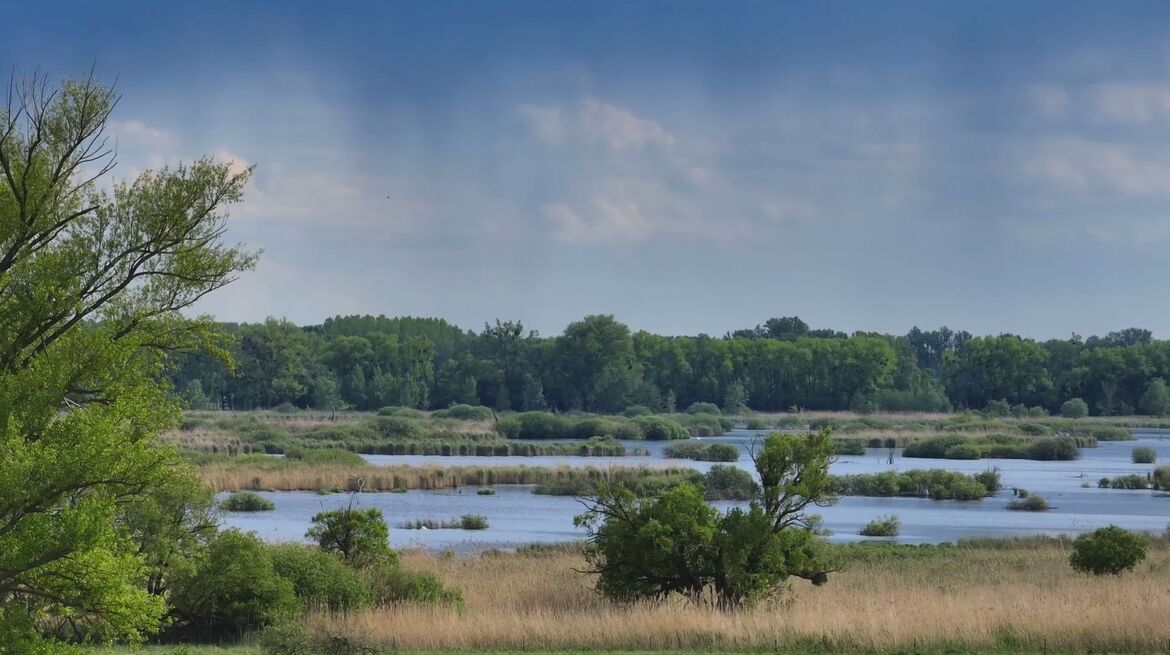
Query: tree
[1110,550]
[736,398]
[1156,400]
[92,284]
[1074,408]
[359,536]
[678,544]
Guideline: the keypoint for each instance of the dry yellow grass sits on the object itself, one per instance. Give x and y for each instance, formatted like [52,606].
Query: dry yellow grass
[279,476]
[975,598]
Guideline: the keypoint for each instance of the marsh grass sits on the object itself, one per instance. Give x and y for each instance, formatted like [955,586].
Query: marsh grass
[988,596]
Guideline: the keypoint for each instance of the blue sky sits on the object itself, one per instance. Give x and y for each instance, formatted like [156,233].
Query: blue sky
[689,167]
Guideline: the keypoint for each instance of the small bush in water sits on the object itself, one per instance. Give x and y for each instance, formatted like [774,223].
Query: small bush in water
[1144,455]
[1030,504]
[485,491]
[247,501]
[883,526]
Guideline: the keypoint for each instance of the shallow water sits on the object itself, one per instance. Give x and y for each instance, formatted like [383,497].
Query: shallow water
[517,516]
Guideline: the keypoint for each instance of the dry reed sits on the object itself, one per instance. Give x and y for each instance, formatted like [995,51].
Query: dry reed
[974,598]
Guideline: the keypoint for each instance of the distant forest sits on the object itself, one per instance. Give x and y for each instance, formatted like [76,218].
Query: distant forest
[599,365]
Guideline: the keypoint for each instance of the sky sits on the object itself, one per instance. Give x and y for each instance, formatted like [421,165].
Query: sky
[689,167]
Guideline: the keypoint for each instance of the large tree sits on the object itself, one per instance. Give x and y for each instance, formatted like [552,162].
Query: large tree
[678,544]
[93,279]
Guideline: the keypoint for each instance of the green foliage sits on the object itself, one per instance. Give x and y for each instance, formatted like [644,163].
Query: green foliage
[233,588]
[247,501]
[675,543]
[467,413]
[849,446]
[1031,503]
[637,410]
[1156,400]
[324,457]
[1107,433]
[722,482]
[703,408]
[1132,481]
[661,428]
[1110,550]
[883,526]
[990,480]
[996,446]
[937,484]
[391,585]
[1074,408]
[358,536]
[320,579]
[473,522]
[705,425]
[533,425]
[485,491]
[398,427]
[405,412]
[1144,455]
[703,452]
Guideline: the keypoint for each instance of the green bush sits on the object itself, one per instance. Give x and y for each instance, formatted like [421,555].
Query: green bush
[485,491]
[1029,504]
[466,413]
[1111,550]
[1108,433]
[399,427]
[1074,408]
[247,501]
[232,589]
[473,522]
[756,423]
[391,585]
[533,425]
[637,410]
[989,479]
[961,451]
[1144,455]
[320,579]
[704,408]
[359,536]
[883,526]
[592,426]
[703,452]
[405,412]
[849,446]
[660,428]
[724,482]
[1132,481]
[937,484]
[704,425]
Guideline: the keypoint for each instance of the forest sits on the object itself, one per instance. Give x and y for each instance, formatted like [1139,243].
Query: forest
[600,365]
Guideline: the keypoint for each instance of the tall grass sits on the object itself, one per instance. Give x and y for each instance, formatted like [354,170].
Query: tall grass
[1021,596]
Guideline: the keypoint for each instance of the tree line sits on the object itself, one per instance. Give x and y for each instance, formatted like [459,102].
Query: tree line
[599,365]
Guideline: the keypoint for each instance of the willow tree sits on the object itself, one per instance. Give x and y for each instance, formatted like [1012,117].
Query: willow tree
[94,275]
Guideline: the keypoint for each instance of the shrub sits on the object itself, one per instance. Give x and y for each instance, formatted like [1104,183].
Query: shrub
[849,446]
[485,491]
[593,426]
[247,501]
[287,639]
[398,427]
[703,452]
[359,536]
[1060,448]
[1034,429]
[1111,550]
[883,526]
[723,482]
[1029,504]
[961,451]
[1132,481]
[473,522]
[391,584]
[405,412]
[1108,433]
[989,479]
[660,428]
[234,588]
[703,408]
[533,425]
[704,425]
[637,410]
[1074,408]
[756,423]
[1144,455]
[320,579]
[466,413]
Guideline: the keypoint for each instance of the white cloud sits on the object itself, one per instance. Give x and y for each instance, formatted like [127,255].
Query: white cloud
[1087,166]
[594,122]
[1131,102]
[236,164]
[1049,101]
[137,134]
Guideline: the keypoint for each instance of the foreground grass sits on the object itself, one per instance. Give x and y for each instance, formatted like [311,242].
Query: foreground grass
[985,597]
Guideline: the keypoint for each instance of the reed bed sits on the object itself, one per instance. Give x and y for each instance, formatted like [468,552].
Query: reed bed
[1026,599]
[285,476]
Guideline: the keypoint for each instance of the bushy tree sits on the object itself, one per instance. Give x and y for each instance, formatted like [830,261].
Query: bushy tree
[358,536]
[1156,400]
[1111,550]
[1074,408]
[92,284]
[678,544]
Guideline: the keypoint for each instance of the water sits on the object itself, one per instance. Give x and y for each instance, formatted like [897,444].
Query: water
[517,516]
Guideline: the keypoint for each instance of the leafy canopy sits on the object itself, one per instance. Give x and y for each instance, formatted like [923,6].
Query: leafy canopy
[92,282]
